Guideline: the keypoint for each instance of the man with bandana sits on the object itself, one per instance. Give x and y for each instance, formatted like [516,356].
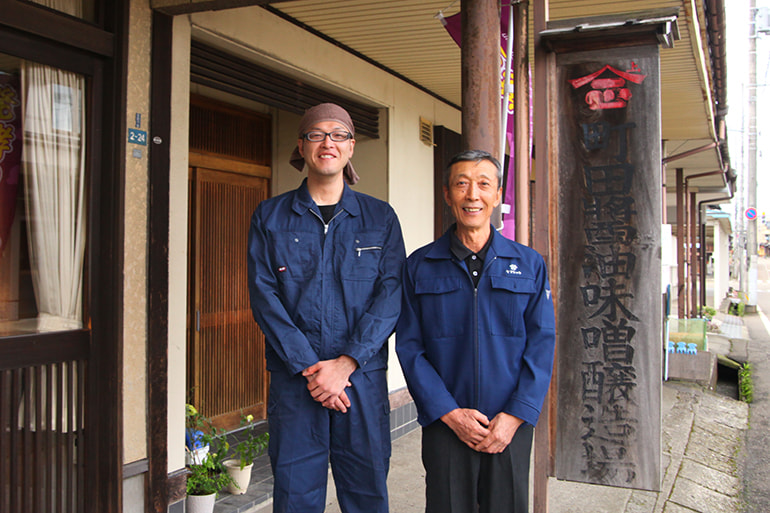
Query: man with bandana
[324,266]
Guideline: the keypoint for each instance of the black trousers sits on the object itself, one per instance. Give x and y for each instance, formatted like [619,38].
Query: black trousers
[461,480]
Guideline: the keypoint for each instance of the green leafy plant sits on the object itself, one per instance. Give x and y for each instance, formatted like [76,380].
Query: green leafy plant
[207,476]
[746,383]
[708,312]
[252,445]
[737,308]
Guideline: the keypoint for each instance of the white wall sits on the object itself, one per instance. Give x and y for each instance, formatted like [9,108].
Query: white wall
[721,264]
[177,243]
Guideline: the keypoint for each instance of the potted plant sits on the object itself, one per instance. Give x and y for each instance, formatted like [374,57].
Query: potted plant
[196,434]
[240,465]
[204,481]
[206,473]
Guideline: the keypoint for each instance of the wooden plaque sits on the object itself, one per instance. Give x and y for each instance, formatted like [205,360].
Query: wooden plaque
[609,268]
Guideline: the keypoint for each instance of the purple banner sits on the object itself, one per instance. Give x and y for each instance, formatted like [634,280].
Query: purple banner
[10,152]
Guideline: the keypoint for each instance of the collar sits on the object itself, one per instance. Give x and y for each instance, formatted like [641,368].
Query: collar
[498,246]
[303,202]
[461,251]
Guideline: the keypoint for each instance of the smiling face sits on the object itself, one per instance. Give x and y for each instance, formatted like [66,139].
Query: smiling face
[326,158]
[472,194]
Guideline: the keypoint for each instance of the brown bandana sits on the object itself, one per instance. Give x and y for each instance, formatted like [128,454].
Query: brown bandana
[317,114]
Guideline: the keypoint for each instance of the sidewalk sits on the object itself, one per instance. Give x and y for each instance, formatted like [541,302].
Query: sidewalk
[703,436]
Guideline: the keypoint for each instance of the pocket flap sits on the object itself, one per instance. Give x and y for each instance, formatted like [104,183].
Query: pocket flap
[514,284]
[438,285]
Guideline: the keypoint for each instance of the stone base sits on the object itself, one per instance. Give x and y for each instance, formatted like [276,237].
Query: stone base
[700,368]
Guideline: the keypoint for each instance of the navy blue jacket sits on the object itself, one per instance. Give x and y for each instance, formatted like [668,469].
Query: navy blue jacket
[320,291]
[489,348]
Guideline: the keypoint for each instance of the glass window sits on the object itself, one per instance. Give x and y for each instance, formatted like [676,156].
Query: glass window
[83,9]
[42,197]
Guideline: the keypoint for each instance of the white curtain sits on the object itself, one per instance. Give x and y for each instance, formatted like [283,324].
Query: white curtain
[53,163]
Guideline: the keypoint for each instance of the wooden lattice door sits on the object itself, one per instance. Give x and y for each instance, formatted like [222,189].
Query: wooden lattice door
[226,363]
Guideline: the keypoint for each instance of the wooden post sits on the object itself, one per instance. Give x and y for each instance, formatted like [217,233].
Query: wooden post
[521,114]
[681,244]
[693,228]
[480,54]
[539,239]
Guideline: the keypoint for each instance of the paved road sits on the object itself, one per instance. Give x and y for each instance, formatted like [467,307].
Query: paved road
[757,462]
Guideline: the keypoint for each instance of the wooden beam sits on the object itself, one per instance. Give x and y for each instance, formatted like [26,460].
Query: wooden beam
[175,7]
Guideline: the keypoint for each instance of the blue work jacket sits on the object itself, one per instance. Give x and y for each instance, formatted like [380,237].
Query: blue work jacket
[490,347]
[319,291]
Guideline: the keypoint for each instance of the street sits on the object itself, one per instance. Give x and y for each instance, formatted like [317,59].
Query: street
[757,454]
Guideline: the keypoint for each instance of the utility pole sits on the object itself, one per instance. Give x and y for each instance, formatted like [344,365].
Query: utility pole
[752,168]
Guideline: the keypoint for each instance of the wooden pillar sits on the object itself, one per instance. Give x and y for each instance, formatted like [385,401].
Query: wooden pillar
[539,239]
[480,53]
[694,267]
[681,244]
[521,114]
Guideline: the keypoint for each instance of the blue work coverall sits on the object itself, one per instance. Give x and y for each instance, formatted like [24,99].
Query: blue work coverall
[319,291]
[490,347]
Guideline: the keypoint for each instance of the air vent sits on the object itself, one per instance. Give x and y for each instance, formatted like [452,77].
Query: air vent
[426,132]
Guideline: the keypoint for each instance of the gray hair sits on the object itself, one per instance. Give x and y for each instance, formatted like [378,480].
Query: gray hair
[474,156]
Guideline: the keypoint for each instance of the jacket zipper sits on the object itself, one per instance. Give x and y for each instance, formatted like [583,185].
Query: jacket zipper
[477,370]
[476,377]
[326,226]
[369,248]
[477,363]
[324,318]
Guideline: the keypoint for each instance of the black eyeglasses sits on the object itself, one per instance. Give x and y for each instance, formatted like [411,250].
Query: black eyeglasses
[318,136]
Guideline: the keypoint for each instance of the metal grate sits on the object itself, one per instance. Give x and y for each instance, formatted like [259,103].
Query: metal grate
[426,132]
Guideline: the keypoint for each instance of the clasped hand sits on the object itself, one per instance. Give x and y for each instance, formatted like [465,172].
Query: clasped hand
[328,379]
[479,433]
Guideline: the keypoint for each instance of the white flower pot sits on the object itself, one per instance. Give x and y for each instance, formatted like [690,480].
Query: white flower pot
[201,503]
[241,477]
[196,456]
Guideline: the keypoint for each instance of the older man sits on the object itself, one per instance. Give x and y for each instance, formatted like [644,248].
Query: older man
[476,342]
[324,280]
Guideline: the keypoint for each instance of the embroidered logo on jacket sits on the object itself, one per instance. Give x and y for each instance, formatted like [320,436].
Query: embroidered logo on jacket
[513,269]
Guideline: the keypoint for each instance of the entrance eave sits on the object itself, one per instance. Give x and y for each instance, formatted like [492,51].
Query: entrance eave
[174,7]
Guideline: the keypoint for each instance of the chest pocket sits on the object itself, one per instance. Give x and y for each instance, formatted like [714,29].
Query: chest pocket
[296,254]
[361,254]
[510,299]
[443,306]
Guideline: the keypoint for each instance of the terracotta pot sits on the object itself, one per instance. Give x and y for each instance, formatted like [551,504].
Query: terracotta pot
[241,477]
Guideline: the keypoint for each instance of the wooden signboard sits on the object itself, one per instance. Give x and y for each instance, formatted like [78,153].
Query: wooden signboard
[609,268]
